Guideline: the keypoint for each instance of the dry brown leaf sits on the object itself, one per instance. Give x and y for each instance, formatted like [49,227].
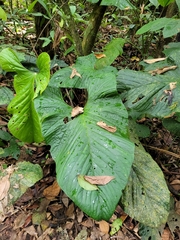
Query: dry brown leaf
[76,111]
[134,58]
[172,85]
[88,223]
[20,220]
[70,211]
[99,55]
[99,180]
[104,226]
[166,235]
[162,70]
[177,207]
[4,186]
[150,61]
[52,191]
[106,127]
[75,73]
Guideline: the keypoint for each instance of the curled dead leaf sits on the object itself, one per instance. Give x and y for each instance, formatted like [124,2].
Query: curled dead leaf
[75,73]
[162,70]
[172,85]
[150,61]
[106,127]
[76,111]
[99,180]
[104,226]
[52,191]
[4,186]
[99,55]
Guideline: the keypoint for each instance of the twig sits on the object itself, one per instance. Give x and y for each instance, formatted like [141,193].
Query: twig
[69,98]
[163,150]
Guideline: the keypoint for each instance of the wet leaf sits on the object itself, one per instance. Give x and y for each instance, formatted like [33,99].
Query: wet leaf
[106,127]
[86,185]
[99,180]
[82,147]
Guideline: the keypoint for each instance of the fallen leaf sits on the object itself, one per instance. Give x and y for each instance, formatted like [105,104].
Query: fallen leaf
[162,70]
[86,185]
[177,207]
[20,220]
[4,186]
[52,191]
[75,73]
[88,223]
[116,226]
[172,85]
[150,61]
[166,235]
[99,55]
[82,235]
[70,211]
[104,226]
[99,180]
[76,111]
[106,127]
[134,58]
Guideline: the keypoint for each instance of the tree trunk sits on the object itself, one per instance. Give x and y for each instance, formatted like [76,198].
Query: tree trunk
[92,28]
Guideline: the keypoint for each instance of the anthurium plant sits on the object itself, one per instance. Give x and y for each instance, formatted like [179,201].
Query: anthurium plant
[91,139]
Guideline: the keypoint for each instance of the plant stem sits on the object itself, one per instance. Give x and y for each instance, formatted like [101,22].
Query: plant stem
[72,27]
[92,28]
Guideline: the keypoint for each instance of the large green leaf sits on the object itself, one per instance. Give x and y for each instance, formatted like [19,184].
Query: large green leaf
[79,146]
[146,95]
[146,196]
[25,124]
[170,26]
[121,4]
[111,52]
[165,3]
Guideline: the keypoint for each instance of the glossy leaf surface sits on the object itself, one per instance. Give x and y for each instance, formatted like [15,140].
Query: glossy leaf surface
[79,146]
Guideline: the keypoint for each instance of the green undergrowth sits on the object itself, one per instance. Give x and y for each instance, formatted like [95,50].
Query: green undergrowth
[96,136]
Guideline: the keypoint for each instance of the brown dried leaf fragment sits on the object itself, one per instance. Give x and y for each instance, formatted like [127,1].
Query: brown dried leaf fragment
[162,70]
[99,180]
[172,85]
[150,61]
[106,127]
[76,111]
[100,55]
[75,73]
[4,186]
[52,191]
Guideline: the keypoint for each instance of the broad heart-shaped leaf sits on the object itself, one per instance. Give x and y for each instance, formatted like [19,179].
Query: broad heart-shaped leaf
[79,146]
[144,94]
[146,196]
[111,52]
[25,124]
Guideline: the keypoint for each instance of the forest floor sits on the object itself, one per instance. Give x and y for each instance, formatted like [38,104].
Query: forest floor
[58,217]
